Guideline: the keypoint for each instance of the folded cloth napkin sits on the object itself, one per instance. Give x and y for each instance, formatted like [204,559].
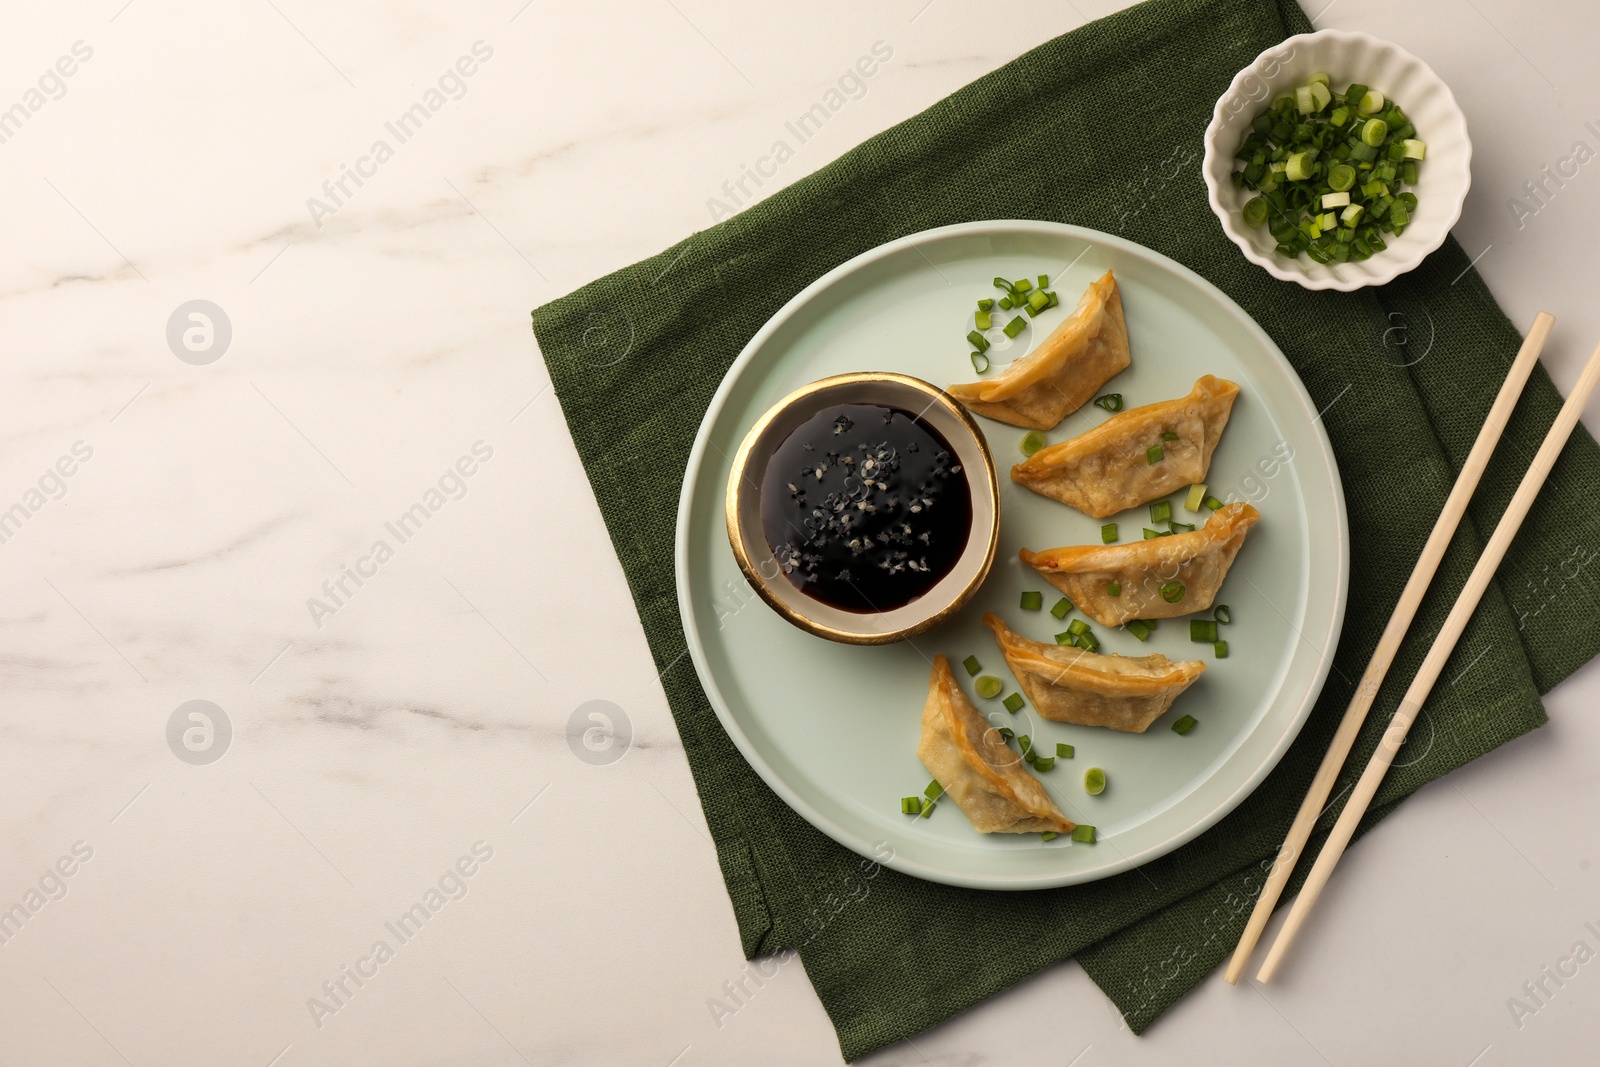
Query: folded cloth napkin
[1100,127]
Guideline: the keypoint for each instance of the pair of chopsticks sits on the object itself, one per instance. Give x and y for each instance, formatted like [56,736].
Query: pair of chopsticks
[1389,644]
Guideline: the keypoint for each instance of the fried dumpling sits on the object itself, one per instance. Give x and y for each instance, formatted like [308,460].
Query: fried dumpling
[1108,469]
[1057,378]
[978,770]
[1158,579]
[1070,685]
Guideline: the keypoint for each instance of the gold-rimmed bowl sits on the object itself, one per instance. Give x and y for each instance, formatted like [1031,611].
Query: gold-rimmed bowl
[758,561]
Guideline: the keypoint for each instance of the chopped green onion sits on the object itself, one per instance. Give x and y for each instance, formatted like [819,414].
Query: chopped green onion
[1005,284]
[1255,211]
[1184,725]
[1061,608]
[1043,763]
[1113,589]
[1108,533]
[1094,781]
[1155,454]
[983,320]
[1171,592]
[1203,630]
[1197,494]
[1221,649]
[1161,511]
[1138,628]
[1038,300]
[1024,743]
[980,342]
[1222,614]
[1066,638]
[1110,402]
[1016,326]
[1088,642]
[1032,600]
[1335,200]
[1006,732]
[1044,281]
[972,665]
[1078,626]
[1213,503]
[1298,167]
[1174,526]
[1048,835]
[1371,102]
[911,805]
[927,807]
[1318,77]
[1032,441]
[986,304]
[1373,131]
[1341,177]
[980,363]
[989,686]
[1065,751]
[934,790]
[1168,435]
[1021,285]
[1005,304]
[1149,534]
[1013,702]
[1083,834]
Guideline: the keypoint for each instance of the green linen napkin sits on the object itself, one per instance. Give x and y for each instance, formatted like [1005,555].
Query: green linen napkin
[1100,127]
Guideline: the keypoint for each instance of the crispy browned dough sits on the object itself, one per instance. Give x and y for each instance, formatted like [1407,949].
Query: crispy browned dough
[978,770]
[1057,378]
[1068,684]
[1198,560]
[1107,469]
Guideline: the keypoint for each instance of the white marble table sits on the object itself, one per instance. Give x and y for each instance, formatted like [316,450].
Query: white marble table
[198,522]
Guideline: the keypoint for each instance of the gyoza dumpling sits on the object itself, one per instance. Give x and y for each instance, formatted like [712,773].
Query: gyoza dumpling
[1057,378]
[1070,685]
[979,771]
[1108,469]
[1159,578]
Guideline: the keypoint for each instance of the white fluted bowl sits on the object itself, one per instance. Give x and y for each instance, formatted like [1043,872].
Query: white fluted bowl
[1442,178]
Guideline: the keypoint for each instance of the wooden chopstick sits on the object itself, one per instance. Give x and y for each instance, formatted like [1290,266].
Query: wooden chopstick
[1389,644]
[1428,673]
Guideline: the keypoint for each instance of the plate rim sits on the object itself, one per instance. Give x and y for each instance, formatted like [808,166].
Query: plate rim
[790,796]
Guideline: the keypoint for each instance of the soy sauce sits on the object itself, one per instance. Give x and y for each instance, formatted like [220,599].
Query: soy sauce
[866,507]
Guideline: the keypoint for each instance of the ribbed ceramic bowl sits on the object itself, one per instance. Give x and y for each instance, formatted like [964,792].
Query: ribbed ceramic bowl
[1443,177]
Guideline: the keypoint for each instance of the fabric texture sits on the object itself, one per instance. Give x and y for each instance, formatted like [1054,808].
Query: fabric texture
[1100,127]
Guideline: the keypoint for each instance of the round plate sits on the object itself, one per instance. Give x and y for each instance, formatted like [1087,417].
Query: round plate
[833,728]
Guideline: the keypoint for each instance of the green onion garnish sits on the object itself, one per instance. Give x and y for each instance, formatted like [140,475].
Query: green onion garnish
[934,790]
[1044,281]
[1003,283]
[1222,614]
[1161,511]
[1108,533]
[985,304]
[1088,642]
[1005,303]
[1202,630]
[980,363]
[1021,285]
[1024,743]
[1168,435]
[1032,441]
[1013,702]
[972,665]
[1094,781]
[1155,454]
[1062,608]
[1149,534]
[927,807]
[988,686]
[911,805]
[1213,503]
[1171,592]
[1174,526]
[1184,725]
[1048,835]
[1038,300]
[1110,402]
[1006,732]
[1043,763]
[1032,600]
[1066,638]
[1083,834]
[1077,626]
[1138,628]
[1016,326]
[1113,589]
[1197,495]
[1221,649]
[980,342]
[1065,751]
[983,320]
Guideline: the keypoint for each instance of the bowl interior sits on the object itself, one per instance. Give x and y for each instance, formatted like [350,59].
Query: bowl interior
[1442,179]
[759,563]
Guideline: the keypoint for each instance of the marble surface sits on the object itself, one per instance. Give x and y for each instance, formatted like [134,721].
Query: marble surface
[192,510]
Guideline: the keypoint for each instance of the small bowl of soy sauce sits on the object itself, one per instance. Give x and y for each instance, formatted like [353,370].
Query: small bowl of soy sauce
[864,508]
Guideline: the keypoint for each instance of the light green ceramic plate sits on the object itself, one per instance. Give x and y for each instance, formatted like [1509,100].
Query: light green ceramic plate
[833,728]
